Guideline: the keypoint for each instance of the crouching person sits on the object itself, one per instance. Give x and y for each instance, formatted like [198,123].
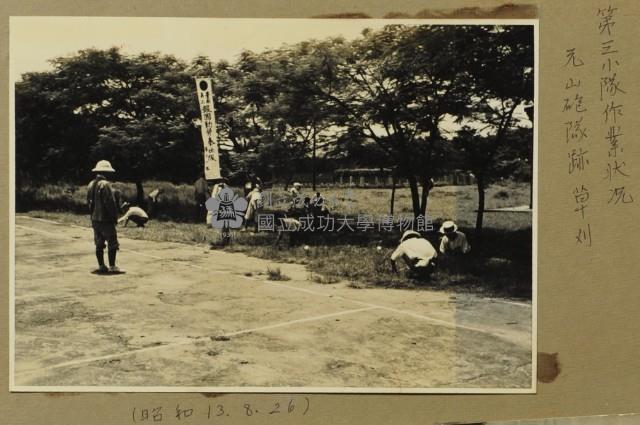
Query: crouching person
[453,241]
[417,253]
[134,214]
[104,215]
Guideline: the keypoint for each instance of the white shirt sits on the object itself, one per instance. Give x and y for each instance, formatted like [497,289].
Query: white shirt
[459,244]
[216,189]
[255,203]
[255,196]
[418,250]
[154,195]
[134,211]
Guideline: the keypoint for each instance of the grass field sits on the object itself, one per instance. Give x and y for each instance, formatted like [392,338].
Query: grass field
[177,201]
[500,265]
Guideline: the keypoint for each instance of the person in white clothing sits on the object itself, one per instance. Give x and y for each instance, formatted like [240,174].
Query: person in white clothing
[153,202]
[255,205]
[417,253]
[214,193]
[453,241]
[295,196]
[135,214]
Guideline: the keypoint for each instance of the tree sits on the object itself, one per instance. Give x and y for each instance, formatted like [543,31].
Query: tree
[49,136]
[393,97]
[155,128]
[396,86]
[503,81]
[138,111]
[311,121]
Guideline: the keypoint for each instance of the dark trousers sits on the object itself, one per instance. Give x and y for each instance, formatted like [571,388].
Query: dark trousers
[139,221]
[105,233]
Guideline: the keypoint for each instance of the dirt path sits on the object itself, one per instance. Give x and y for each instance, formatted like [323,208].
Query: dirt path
[186,316]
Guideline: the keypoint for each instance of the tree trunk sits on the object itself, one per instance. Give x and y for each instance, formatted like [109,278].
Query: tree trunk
[415,194]
[393,194]
[480,216]
[313,164]
[426,188]
[140,194]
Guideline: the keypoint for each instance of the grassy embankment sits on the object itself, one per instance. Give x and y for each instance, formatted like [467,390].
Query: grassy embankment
[500,265]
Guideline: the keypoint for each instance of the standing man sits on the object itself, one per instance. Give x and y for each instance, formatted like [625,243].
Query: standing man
[217,188]
[255,206]
[248,187]
[201,191]
[296,197]
[417,253]
[152,202]
[317,204]
[104,216]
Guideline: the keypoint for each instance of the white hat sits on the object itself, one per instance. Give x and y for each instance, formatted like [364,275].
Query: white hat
[297,184]
[448,227]
[409,233]
[103,166]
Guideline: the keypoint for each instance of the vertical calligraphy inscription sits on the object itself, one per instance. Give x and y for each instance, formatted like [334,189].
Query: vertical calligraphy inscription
[612,94]
[576,135]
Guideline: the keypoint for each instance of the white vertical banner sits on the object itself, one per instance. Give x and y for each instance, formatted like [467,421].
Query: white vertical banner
[204,87]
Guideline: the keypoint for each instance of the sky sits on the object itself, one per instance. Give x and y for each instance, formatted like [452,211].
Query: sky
[36,40]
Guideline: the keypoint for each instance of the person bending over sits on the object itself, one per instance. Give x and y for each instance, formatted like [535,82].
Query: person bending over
[134,214]
[417,253]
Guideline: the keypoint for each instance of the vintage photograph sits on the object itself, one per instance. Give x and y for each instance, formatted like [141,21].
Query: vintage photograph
[273,205]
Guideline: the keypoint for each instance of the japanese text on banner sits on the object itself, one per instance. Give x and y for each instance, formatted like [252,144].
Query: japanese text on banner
[204,89]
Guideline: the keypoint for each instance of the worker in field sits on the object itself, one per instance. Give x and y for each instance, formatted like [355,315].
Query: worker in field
[201,192]
[417,253]
[153,201]
[306,206]
[453,241]
[104,216]
[295,189]
[248,187]
[255,202]
[133,213]
[295,196]
[318,206]
[217,188]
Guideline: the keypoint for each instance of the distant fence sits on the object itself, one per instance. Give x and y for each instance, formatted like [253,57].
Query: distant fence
[457,178]
[366,177]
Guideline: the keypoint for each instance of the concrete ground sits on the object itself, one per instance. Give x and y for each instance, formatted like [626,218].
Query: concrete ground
[186,316]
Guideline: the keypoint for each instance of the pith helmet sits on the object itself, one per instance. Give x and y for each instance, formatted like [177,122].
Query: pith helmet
[409,234]
[103,166]
[448,227]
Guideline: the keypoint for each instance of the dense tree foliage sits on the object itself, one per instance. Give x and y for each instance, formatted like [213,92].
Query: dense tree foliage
[421,99]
